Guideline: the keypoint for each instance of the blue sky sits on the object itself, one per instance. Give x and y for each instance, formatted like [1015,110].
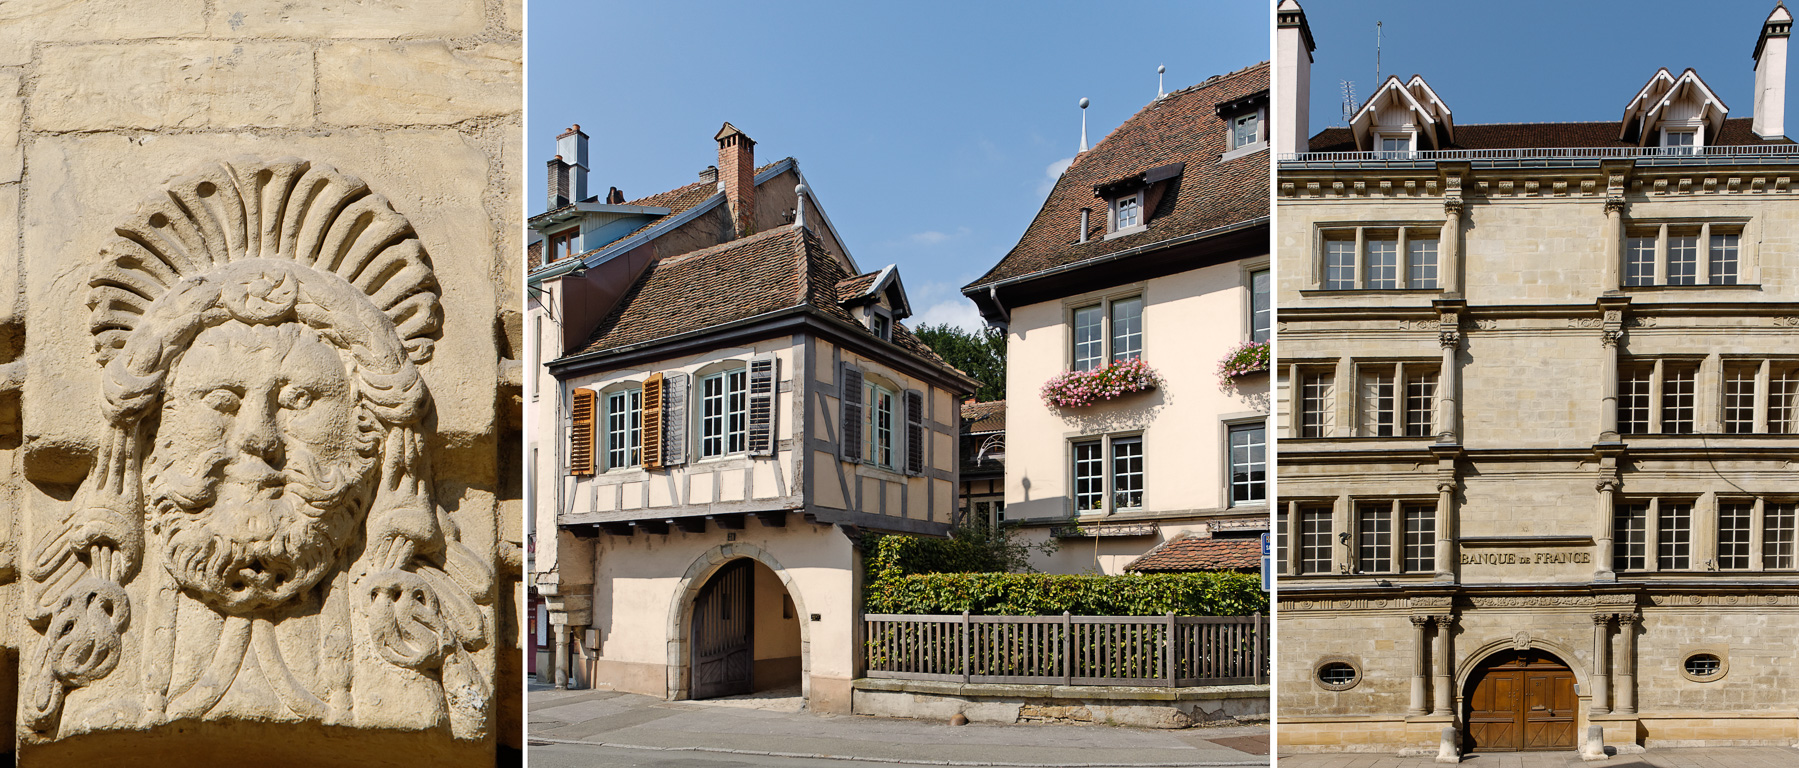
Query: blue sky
[930,132]
[1530,61]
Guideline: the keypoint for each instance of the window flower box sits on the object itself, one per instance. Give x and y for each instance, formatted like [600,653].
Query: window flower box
[1244,359]
[1078,389]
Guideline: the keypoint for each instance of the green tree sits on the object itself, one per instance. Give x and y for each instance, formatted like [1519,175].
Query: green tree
[981,354]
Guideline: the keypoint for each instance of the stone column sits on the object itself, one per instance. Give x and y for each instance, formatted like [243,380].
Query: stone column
[1608,386]
[1448,384]
[560,656]
[1441,701]
[1602,557]
[1449,254]
[1293,538]
[1627,664]
[1445,540]
[1614,240]
[1601,645]
[1419,667]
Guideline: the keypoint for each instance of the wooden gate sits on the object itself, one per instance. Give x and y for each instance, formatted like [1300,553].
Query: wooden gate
[722,630]
[1521,701]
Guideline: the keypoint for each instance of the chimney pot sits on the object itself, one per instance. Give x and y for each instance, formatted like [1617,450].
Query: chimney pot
[709,175]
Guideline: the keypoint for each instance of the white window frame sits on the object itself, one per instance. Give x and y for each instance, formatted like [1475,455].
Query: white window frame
[1693,147]
[1107,447]
[1250,273]
[732,423]
[632,434]
[1231,429]
[1230,140]
[1137,198]
[1108,354]
[1409,137]
[871,429]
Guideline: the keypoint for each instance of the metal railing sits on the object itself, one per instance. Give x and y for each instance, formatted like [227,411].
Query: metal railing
[1163,651]
[1549,153]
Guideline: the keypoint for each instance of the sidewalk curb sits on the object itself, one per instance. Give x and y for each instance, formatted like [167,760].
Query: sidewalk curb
[540,740]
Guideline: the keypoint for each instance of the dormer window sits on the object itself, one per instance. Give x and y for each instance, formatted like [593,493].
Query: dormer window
[562,244]
[1246,121]
[1680,142]
[1395,144]
[1127,211]
[1246,130]
[880,325]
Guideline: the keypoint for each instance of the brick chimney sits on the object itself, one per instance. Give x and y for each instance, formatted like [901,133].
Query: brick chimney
[737,173]
[558,184]
[1771,74]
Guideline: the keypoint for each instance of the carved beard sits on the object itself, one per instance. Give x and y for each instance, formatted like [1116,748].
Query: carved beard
[244,547]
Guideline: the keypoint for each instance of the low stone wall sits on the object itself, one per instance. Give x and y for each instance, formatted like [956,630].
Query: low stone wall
[1136,706]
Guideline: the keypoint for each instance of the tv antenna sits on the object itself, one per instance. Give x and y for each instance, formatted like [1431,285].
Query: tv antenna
[1377,80]
[1348,100]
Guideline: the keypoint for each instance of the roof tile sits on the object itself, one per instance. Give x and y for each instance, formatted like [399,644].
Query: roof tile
[1192,553]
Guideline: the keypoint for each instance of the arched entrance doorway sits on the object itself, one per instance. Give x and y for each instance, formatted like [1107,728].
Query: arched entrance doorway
[745,633]
[1519,701]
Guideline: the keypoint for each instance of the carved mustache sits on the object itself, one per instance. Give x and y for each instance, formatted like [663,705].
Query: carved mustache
[192,484]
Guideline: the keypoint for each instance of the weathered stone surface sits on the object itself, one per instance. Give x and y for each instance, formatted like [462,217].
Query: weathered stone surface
[417,83]
[184,84]
[60,21]
[12,112]
[347,18]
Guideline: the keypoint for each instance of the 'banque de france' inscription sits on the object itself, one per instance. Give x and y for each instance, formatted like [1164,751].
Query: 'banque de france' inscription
[1526,558]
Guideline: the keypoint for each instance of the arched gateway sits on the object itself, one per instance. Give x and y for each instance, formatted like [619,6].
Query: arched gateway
[1519,700]
[723,639]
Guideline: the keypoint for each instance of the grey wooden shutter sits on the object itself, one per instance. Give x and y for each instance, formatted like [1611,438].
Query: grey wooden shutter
[764,382]
[674,419]
[849,443]
[915,432]
[581,432]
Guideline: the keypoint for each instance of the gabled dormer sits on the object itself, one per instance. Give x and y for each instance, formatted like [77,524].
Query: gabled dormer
[1679,113]
[1403,117]
[877,299]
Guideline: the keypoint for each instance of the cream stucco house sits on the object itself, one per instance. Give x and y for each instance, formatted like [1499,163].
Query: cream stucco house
[723,404]
[1153,246]
[1536,394]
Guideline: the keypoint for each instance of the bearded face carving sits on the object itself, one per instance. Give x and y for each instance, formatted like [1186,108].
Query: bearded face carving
[264,512]
[263,490]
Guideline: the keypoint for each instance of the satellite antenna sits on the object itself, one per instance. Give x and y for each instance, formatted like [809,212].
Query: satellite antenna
[1160,92]
[1348,100]
[1083,123]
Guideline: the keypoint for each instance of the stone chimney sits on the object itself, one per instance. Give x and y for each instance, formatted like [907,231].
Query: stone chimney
[1293,48]
[737,174]
[1771,74]
[572,147]
[558,184]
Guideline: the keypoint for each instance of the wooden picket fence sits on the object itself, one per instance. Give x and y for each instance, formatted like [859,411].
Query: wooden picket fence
[1165,650]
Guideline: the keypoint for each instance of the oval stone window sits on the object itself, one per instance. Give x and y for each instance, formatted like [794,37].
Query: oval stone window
[1703,667]
[1337,676]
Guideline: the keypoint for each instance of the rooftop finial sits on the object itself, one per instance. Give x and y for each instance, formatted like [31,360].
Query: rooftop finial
[1083,123]
[799,206]
[1160,91]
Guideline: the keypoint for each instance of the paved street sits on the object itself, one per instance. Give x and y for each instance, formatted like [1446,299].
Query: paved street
[1714,757]
[570,729]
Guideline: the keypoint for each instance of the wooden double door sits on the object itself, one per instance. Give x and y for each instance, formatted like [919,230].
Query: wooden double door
[1521,701]
[723,628]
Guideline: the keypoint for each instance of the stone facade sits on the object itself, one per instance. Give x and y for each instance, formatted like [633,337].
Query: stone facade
[261,266]
[1565,440]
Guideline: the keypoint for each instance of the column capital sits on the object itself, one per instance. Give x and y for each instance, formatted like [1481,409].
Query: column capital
[1420,620]
[1614,205]
[1610,337]
[1449,339]
[1606,485]
[1452,206]
[1603,618]
[1627,619]
[1443,620]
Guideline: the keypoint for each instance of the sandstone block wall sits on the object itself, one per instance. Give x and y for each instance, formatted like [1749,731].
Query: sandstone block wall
[261,245]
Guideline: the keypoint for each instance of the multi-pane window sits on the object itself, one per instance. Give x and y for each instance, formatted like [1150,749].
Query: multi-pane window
[1127,329]
[1315,404]
[1261,309]
[1089,477]
[1420,538]
[880,325]
[1380,259]
[1783,399]
[1397,399]
[1723,259]
[1734,519]
[1670,254]
[1633,400]
[624,428]
[1679,142]
[562,244]
[1683,259]
[1739,399]
[1742,384]
[1375,536]
[1280,543]
[724,413]
[1246,130]
[1395,144]
[1777,535]
[1674,535]
[880,426]
[1630,537]
[1677,398]
[1089,343]
[1249,463]
[1339,265]
[1126,212]
[1314,541]
[1421,264]
[1108,332]
[1127,473]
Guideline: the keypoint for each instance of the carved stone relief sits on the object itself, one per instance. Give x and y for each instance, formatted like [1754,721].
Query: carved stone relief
[257,537]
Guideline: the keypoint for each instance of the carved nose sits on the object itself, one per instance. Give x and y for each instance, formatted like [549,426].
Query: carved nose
[256,432]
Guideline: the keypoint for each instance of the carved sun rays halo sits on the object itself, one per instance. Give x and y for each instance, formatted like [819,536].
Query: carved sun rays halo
[256,242]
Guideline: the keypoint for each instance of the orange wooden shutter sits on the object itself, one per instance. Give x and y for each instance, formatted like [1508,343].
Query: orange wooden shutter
[652,421]
[580,434]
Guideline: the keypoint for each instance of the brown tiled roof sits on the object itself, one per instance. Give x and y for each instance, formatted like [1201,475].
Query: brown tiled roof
[774,270]
[1192,553]
[534,255]
[857,286]
[984,417]
[1182,127]
[675,200]
[1738,131]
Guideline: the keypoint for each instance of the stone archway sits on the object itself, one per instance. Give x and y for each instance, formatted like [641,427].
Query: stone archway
[1519,696]
[680,614]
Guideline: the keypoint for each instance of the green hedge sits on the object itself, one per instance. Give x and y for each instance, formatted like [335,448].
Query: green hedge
[1038,594]
[969,550]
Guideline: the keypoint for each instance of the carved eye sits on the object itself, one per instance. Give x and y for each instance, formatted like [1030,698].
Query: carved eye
[222,400]
[296,398]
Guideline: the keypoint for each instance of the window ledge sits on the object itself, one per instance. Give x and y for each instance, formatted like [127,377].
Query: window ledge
[1247,149]
[1698,287]
[1128,231]
[1370,291]
[880,472]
